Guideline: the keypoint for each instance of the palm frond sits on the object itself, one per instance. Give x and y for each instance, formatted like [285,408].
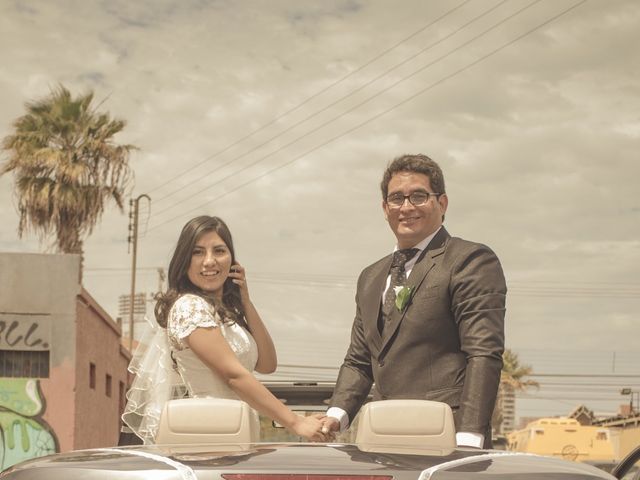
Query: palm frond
[67,166]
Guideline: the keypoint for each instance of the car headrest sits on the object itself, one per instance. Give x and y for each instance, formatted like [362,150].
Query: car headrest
[207,420]
[419,423]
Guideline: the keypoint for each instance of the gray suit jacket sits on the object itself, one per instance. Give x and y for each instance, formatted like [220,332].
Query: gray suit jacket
[447,343]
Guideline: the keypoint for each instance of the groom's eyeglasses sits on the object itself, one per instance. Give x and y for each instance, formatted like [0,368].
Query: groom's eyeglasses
[417,199]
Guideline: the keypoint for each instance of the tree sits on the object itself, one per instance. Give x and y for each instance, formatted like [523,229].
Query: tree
[513,374]
[512,379]
[66,167]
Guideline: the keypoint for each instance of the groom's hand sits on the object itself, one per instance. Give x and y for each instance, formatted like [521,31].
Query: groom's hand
[330,426]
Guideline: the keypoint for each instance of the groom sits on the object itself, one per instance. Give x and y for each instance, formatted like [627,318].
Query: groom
[429,319]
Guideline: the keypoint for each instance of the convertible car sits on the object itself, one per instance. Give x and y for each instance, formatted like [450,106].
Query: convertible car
[202,439]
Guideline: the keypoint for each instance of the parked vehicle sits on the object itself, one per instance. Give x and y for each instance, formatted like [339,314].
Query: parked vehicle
[564,438]
[396,440]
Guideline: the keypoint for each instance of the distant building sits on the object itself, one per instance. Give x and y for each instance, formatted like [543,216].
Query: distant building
[625,430]
[625,410]
[139,312]
[63,372]
[583,415]
[507,404]
[565,438]
[524,421]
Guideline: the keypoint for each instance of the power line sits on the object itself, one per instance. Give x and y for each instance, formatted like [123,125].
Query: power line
[146,221]
[562,375]
[325,108]
[305,279]
[411,97]
[302,283]
[569,288]
[297,276]
[308,99]
[569,353]
[312,367]
[118,274]
[585,375]
[337,117]
[586,386]
[572,282]
[305,284]
[99,269]
[575,294]
[580,399]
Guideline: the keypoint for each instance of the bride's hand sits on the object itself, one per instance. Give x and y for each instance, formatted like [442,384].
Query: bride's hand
[309,427]
[238,276]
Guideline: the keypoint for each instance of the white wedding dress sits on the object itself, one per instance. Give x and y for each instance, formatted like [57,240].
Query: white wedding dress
[156,381]
[188,313]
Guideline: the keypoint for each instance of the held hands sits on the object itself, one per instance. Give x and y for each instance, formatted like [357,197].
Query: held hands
[330,426]
[316,428]
[310,427]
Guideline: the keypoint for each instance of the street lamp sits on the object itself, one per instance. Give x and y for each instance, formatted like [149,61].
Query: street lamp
[631,393]
[134,240]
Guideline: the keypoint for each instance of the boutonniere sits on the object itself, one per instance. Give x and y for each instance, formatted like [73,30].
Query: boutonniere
[403,295]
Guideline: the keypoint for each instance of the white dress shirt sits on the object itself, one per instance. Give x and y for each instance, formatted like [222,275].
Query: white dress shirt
[468,439]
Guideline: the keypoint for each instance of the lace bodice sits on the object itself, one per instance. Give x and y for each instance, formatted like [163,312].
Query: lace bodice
[188,313]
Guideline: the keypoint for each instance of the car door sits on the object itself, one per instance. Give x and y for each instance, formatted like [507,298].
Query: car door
[629,468]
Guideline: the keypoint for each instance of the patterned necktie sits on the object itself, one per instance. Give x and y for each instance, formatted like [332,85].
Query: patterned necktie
[398,278]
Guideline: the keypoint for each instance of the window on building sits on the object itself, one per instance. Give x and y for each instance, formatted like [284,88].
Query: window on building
[92,375]
[24,363]
[107,385]
[121,397]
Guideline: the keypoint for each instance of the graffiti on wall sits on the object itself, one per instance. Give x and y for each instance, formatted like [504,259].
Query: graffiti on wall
[24,335]
[23,432]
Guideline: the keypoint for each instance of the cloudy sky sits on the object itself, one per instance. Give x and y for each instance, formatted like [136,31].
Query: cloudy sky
[281,116]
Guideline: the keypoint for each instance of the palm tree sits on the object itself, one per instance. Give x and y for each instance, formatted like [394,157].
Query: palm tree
[513,374]
[66,167]
[512,379]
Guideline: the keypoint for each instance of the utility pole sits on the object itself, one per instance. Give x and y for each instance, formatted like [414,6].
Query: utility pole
[161,278]
[133,239]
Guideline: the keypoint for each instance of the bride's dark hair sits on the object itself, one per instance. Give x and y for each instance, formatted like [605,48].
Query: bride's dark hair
[230,309]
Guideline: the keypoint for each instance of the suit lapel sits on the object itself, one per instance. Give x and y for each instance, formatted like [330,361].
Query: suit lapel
[371,303]
[419,272]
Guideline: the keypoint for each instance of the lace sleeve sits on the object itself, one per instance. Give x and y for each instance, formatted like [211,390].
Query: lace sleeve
[188,313]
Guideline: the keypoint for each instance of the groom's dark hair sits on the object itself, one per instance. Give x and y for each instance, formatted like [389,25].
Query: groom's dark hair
[417,163]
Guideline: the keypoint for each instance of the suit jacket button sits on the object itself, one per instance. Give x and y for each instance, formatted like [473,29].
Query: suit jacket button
[381,364]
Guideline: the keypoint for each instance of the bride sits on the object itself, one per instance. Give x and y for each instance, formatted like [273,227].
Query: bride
[210,331]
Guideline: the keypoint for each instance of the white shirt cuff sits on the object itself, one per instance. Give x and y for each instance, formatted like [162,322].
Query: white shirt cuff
[340,415]
[468,439]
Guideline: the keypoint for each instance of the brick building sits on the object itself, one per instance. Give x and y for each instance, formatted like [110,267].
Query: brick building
[63,371]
